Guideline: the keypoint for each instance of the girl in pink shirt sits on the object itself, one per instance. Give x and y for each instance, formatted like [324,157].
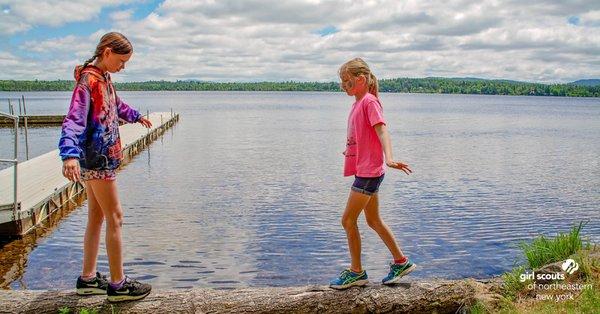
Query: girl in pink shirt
[368,142]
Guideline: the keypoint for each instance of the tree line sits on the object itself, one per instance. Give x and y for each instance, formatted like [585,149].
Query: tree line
[397,85]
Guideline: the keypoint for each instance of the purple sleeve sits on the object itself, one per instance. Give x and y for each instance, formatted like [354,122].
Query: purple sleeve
[127,113]
[375,113]
[74,124]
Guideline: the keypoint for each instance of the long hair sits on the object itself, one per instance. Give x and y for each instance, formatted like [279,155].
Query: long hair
[358,66]
[117,42]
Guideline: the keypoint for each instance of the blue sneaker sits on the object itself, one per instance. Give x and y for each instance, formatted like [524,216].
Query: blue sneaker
[348,279]
[397,271]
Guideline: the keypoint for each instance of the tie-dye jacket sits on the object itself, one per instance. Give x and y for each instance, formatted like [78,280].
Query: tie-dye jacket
[90,131]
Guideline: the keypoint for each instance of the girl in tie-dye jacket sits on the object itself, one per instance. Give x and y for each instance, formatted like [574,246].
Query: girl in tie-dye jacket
[90,130]
[90,148]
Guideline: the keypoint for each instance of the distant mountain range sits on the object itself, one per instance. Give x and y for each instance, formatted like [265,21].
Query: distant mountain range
[587,82]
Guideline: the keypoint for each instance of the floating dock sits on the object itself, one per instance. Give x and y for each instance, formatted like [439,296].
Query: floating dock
[34,120]
[42,189]
[27,119]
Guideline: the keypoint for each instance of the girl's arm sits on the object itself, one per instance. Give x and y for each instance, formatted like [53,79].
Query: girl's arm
[72,129]
[386,143]
[74,124]
[126,112]
[131,115]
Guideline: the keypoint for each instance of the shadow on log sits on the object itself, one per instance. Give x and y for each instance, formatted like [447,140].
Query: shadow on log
[431,296]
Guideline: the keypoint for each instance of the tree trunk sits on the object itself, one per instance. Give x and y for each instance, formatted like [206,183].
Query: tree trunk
[431,296]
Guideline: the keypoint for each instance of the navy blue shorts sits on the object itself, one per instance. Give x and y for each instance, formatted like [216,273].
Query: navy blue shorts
[368,186]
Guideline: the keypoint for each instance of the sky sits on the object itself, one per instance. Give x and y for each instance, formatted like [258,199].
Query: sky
[247,41]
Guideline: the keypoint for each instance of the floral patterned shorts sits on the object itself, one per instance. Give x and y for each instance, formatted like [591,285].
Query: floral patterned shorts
[87,174]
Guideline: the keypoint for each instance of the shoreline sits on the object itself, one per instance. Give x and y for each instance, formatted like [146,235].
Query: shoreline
[435,85]
[466,295]
[304,91]
[548,287]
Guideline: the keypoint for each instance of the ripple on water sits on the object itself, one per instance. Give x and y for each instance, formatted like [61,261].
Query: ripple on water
[247,190]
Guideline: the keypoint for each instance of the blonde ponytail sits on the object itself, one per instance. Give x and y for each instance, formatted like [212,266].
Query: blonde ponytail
[357,67]
[373,85]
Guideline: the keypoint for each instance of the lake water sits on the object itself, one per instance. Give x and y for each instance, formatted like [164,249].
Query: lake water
[247,189]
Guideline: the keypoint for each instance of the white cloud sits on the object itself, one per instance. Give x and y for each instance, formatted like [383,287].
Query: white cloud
[29,13]
[591,18]
[120,16]
[276,40]
[64,45]
[27,69]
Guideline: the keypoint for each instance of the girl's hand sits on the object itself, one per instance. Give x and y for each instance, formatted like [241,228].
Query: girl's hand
[399,166]
[145,122]
[71,169]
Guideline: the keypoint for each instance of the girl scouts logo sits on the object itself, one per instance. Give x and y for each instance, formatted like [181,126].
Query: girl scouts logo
[570,266]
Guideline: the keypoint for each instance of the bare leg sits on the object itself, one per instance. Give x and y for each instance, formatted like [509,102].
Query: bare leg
[376,223]
[91,240]
[107,196]
[356,203]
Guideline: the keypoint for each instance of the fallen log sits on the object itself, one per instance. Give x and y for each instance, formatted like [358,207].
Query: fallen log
[428,296]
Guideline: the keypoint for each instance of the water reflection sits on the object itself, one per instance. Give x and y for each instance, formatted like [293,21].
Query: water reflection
[246,190]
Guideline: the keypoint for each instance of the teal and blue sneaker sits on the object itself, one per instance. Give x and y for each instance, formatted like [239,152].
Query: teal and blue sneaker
[348,278]
[397,271]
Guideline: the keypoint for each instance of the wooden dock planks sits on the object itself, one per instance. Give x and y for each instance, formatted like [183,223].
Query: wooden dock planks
[42,188]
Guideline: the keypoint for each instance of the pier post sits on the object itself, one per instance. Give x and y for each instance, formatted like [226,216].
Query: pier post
[26,132]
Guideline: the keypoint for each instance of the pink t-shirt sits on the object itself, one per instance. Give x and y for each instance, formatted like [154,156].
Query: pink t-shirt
[364,153]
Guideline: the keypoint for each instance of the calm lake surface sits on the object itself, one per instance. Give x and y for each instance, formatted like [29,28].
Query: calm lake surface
[247,189]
